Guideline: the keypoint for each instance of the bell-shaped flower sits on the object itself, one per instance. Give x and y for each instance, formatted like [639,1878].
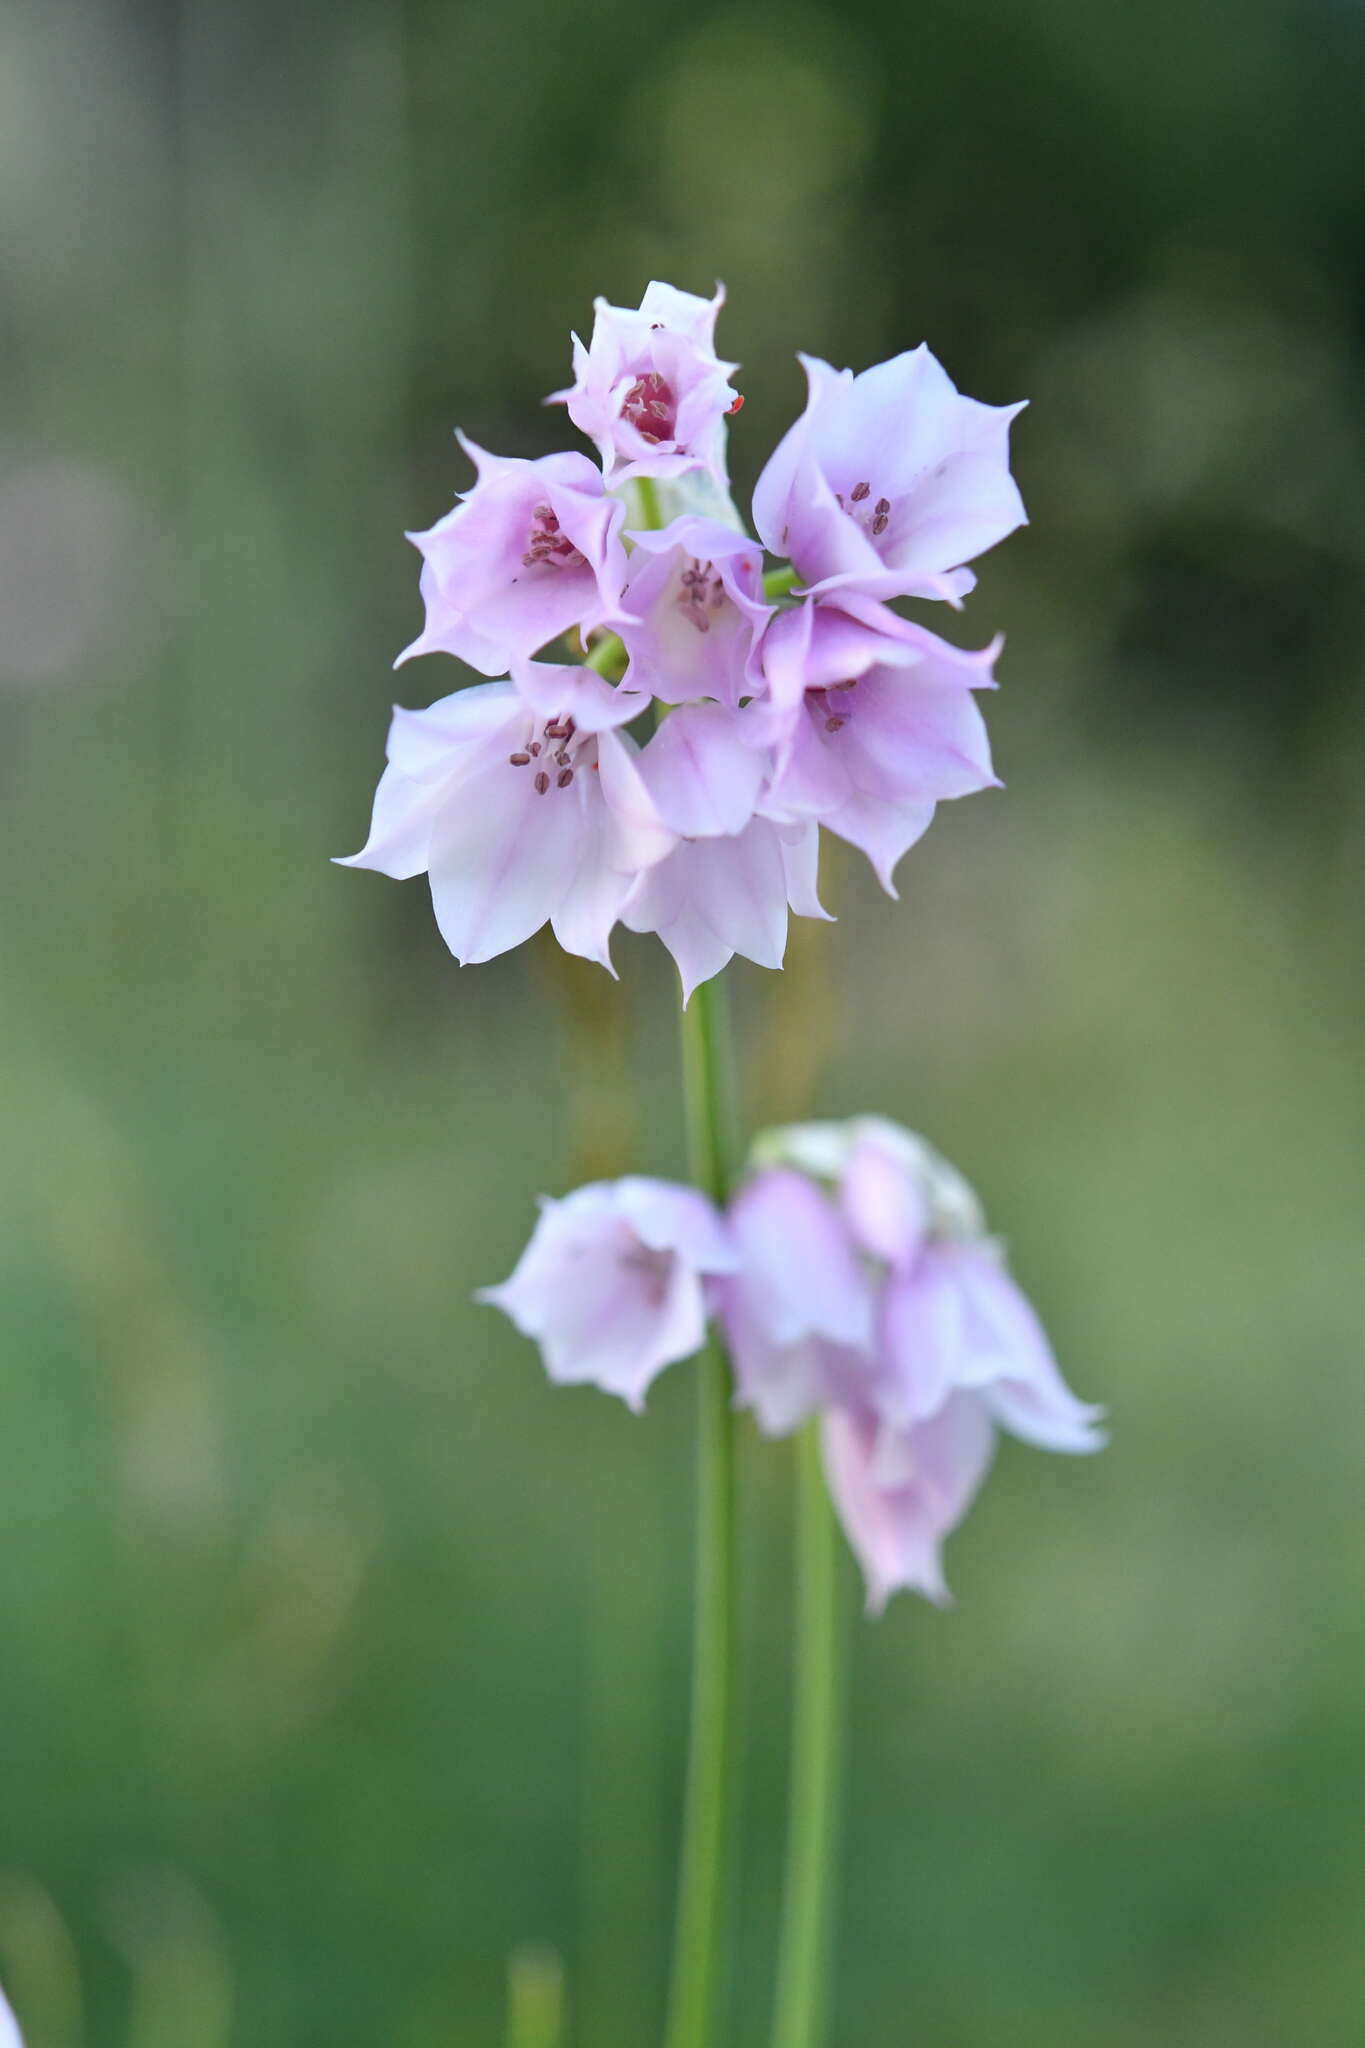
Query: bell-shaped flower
[522,803]
[728,884]
[532,549]
[950,1317]
[694,595]
[899,1493]
[875,725]
[612,1284]
[650,390]
[800,1311]
[889,482]
[711,898]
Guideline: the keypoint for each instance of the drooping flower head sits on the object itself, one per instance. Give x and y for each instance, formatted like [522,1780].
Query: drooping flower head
[522,803]
[650,389]
[951,1348]
[889,482]
[532,549]
[611,1285]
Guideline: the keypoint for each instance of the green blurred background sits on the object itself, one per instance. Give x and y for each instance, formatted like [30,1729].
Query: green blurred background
[338,1655]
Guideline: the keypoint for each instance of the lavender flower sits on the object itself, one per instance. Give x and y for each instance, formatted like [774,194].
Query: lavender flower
[522,804]
[650,389]
[889,482]
[874,722]
[611,1285]
[955,1353]
[533,549]
[773,719]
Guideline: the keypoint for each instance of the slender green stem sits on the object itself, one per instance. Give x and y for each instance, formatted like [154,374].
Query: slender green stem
[535,1999]
[647,498]
[708,1812]
[808,1901]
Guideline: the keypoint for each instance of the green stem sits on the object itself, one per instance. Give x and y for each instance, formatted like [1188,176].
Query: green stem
[778,582]
[608,657]
[708,1815]
[535,1999]
[808,1900]
[647,498]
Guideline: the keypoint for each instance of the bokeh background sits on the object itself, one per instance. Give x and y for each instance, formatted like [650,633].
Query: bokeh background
[339,1657]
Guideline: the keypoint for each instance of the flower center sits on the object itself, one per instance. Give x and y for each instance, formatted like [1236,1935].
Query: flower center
[556,750]
[702,593]
[874,516]
[546,544]
[651,1271]
[650,407]
[832,706]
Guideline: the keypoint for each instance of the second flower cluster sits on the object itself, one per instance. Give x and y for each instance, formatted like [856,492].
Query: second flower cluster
[854,1280]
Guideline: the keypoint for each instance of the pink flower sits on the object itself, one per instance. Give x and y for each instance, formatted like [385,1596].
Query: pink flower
[728,884]
[533,549]
[889,481]
[612,1283]
[954,1350]
[899,1493]
[651,391]
[875,723]
[520,803]
[711,898]
[695,594]
[950,1317]
[799,1312]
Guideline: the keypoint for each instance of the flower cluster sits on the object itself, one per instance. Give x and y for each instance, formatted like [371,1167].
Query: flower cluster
[854,1280]
[780,702]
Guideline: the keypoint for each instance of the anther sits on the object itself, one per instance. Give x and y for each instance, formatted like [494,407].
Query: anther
[519,760]
[535,746]
[861,491]
[542,783]
[880,523]
[833,724]
[564,778]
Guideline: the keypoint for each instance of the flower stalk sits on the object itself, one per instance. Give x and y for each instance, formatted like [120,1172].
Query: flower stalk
[708,1833]
[810,1893]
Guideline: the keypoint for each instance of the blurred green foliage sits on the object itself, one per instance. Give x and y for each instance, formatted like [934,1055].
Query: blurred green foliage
[341,1658]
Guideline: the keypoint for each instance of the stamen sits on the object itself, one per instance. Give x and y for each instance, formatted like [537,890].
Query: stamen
[564,778]
[519,760]
[650,407]
[547,545]
[542,783]
[880,523]
[835,724]
[861,491]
